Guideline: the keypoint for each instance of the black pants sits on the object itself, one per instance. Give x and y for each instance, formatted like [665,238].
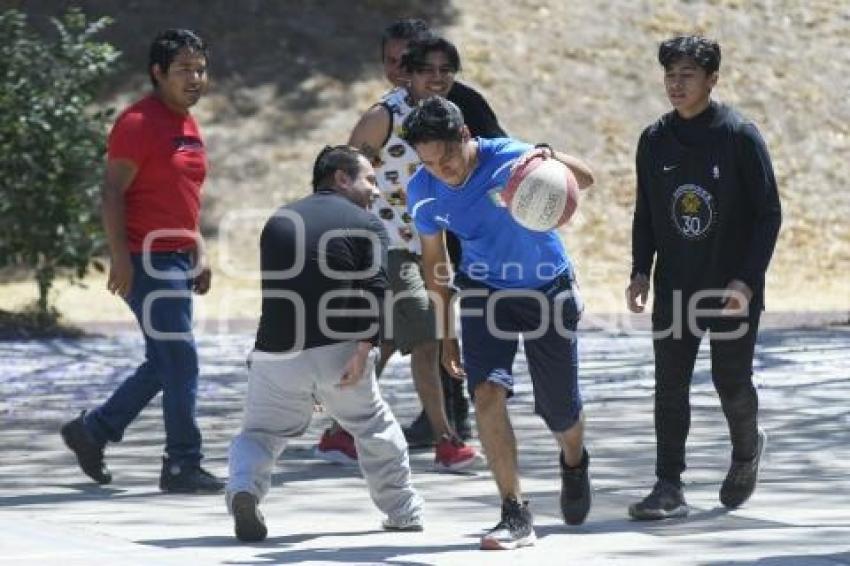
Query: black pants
[731,372]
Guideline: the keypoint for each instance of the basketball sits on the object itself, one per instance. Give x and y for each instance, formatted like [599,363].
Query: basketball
[541,193]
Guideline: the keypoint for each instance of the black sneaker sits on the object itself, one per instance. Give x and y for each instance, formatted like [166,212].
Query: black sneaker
[741,480]
[248,522]
[177,478]
[576,493]
[516,529]
[89,453]
[419,434]
[667,500]
[463,428]
[460,410]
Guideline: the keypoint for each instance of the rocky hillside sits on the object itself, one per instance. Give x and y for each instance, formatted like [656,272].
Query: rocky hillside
[293,76]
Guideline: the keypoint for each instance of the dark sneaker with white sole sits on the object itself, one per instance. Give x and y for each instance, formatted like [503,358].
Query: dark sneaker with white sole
[740,482]
[515,530]
[248,522]
[88,452]
[576,493]
[666,501]
[419,433]
[187,478]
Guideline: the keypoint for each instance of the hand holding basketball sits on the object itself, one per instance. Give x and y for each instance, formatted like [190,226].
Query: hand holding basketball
[542,193]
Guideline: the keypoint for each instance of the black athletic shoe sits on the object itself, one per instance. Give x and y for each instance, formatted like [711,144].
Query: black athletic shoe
[576,493]
[460,410]
[463,428]
[667,500]
[89,453]
[248,522]
[741,480]
[456,404]
[177,478]
[516,529]
[419,433]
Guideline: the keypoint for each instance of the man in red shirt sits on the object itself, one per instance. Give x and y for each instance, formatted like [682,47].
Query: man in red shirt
[151,208]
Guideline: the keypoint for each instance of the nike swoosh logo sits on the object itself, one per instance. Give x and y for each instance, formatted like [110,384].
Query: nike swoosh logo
[668,168]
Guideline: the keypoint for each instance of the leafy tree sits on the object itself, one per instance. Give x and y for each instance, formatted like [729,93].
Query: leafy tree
[51,146]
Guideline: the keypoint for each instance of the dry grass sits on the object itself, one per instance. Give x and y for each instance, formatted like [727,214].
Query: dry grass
[581,75]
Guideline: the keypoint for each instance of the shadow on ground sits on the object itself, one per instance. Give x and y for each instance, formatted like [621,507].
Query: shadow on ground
[803,384]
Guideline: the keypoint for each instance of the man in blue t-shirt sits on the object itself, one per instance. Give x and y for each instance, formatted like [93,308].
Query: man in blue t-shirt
[513,282]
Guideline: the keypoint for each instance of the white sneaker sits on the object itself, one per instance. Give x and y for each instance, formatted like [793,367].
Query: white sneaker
[411,523]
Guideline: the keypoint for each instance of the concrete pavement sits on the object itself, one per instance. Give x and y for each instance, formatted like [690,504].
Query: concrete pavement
[321,514]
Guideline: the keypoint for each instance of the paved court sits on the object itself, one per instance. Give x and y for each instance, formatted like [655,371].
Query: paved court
[320,513]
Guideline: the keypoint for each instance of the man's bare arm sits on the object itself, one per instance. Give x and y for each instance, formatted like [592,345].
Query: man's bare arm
[371,132]
[581,170]
[118,177]
[437,274]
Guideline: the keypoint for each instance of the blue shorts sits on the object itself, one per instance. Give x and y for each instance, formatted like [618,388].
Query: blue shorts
[492,320]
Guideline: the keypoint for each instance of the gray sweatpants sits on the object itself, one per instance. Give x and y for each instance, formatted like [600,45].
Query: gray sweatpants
[279,406]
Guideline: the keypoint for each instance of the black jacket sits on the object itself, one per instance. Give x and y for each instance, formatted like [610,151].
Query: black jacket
[477,114]
[707,204]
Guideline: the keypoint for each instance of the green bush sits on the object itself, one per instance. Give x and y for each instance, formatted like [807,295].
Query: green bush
[51,146]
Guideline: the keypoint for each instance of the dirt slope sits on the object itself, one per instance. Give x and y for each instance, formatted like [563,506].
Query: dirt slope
[582,75]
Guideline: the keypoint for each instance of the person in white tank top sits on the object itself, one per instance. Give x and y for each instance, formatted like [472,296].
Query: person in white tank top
[395,163]
[431,62]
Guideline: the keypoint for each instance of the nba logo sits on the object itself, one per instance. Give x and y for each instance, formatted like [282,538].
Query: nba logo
[715,172]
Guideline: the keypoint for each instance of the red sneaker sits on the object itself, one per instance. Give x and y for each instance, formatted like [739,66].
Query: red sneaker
[453,454]
[336,447]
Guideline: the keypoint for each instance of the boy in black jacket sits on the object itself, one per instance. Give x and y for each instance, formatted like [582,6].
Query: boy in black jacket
[708,212]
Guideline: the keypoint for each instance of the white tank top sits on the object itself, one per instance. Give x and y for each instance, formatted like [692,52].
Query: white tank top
[397,164]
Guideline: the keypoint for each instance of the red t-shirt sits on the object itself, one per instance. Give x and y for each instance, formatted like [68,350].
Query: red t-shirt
[166,192]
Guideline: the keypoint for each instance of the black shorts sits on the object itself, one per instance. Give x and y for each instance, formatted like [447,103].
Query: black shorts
[492,320]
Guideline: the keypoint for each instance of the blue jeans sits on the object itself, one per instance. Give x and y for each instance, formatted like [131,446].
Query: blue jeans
[171,362]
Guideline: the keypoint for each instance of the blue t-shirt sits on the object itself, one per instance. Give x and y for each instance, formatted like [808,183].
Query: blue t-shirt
[497,251]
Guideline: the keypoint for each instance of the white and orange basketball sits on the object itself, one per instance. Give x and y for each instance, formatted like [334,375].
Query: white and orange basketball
[541,193]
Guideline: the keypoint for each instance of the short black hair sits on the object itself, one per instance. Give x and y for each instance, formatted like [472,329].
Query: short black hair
[335,158]
[418,49]
[705,52]
[168,43]
[434,119]
[406,29]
